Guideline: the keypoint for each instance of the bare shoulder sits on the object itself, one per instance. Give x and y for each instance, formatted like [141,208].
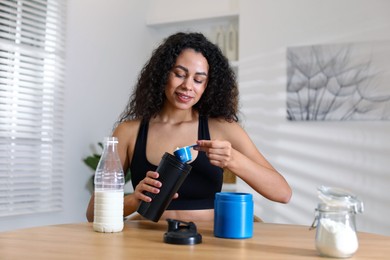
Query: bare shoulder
[127,131]
[222,129]
[128,125]
[220,122]
[234,133]
[127,134]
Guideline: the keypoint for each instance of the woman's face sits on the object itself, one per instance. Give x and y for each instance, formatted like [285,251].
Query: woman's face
[187,80]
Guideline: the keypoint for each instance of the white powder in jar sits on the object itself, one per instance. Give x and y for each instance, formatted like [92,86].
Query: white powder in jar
[335,239]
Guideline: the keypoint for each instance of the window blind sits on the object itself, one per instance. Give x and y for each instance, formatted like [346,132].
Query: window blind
[31,105]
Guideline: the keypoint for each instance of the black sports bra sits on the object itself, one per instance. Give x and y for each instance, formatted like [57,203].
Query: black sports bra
[199,188]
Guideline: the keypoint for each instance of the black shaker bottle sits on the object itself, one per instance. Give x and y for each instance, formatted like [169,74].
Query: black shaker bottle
[172,173]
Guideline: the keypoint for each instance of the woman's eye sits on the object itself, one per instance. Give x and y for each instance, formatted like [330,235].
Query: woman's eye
[198,81]
[179,75]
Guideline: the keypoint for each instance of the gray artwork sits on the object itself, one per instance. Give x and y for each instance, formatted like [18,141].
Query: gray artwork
[339,82]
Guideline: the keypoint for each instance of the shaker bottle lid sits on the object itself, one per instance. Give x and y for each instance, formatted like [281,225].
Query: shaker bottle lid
[339,197]
[182,233]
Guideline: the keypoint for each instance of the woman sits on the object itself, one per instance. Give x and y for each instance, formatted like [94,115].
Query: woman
[187,94]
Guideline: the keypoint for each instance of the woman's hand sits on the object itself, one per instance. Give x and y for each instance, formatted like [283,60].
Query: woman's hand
[218,152]
[148,184]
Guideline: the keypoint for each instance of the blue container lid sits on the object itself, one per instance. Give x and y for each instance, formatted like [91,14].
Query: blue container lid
[233,196]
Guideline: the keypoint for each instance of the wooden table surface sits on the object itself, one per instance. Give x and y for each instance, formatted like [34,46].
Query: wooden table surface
[144,240]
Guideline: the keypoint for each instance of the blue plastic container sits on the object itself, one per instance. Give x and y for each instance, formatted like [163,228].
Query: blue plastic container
[233,215]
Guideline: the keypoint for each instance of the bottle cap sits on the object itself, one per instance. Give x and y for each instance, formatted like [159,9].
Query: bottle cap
[182,233]
[111,139]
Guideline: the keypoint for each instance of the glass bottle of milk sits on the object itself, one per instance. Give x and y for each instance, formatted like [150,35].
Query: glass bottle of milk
[109,183]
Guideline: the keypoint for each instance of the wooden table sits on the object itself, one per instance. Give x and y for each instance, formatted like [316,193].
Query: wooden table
[144,240]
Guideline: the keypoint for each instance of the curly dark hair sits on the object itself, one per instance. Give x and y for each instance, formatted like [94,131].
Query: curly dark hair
[220,98]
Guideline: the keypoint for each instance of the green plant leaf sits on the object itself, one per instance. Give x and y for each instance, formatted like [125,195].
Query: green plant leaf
[92,161]
[128,176]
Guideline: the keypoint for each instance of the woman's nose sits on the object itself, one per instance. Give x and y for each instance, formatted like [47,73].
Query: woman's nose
[187,84]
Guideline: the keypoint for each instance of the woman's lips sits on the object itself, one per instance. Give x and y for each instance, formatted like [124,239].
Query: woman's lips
[184,98]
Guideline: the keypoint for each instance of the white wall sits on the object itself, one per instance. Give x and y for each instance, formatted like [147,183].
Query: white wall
[353,155]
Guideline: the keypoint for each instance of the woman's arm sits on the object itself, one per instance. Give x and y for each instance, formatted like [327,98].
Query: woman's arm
[232,148]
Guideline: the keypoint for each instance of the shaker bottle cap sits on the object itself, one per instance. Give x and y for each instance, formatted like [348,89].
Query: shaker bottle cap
[182,233]
[338,197]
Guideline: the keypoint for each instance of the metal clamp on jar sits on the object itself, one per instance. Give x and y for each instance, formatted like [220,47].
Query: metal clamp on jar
[335,222]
